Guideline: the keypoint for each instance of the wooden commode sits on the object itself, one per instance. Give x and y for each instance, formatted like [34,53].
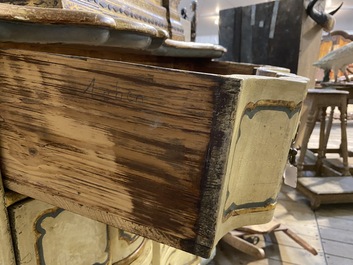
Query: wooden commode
[118,125]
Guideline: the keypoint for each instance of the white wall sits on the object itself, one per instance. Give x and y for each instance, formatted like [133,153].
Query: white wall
[208,16]
[208,10]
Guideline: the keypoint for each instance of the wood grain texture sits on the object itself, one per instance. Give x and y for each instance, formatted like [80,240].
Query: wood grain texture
[107,118]
[146,149]
[7,255]
[124,140]
[134,56]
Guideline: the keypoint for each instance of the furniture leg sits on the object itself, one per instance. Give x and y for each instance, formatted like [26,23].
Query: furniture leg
[344,147]
[329,126]
[321,151]
[310,124]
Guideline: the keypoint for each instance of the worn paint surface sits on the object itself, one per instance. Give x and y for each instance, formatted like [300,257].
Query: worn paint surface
[47,235]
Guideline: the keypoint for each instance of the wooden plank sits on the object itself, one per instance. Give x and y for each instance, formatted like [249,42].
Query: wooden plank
[336,223]
[280,238]
[334,260]
[328,185]
[339,249]
[275,254]
[290,194]
[298,217]
[337,164]
[293,255]
[283,240]
[340,211]
[338,235]
[289,211]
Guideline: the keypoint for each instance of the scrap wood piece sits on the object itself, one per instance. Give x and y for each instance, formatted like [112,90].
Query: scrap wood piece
[298,240]
[234,238]
[260,229]
[243,245]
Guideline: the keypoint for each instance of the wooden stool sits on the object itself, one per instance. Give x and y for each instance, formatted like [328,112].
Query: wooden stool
[326,190]
[316,103]
[332,189]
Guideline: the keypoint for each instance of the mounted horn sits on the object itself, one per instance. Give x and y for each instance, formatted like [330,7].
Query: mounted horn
[325,20]
[335,11]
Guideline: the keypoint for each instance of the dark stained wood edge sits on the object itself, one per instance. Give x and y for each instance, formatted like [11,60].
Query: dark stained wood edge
[225,103]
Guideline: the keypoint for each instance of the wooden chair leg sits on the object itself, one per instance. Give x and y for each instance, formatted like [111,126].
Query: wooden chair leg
[300,241]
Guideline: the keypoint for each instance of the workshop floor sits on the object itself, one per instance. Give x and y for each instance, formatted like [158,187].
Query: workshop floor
[329,229]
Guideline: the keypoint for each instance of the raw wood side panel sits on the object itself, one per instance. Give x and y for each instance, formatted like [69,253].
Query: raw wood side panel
[121,143]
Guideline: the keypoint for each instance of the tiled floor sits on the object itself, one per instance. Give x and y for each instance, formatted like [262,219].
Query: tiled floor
[329,229]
